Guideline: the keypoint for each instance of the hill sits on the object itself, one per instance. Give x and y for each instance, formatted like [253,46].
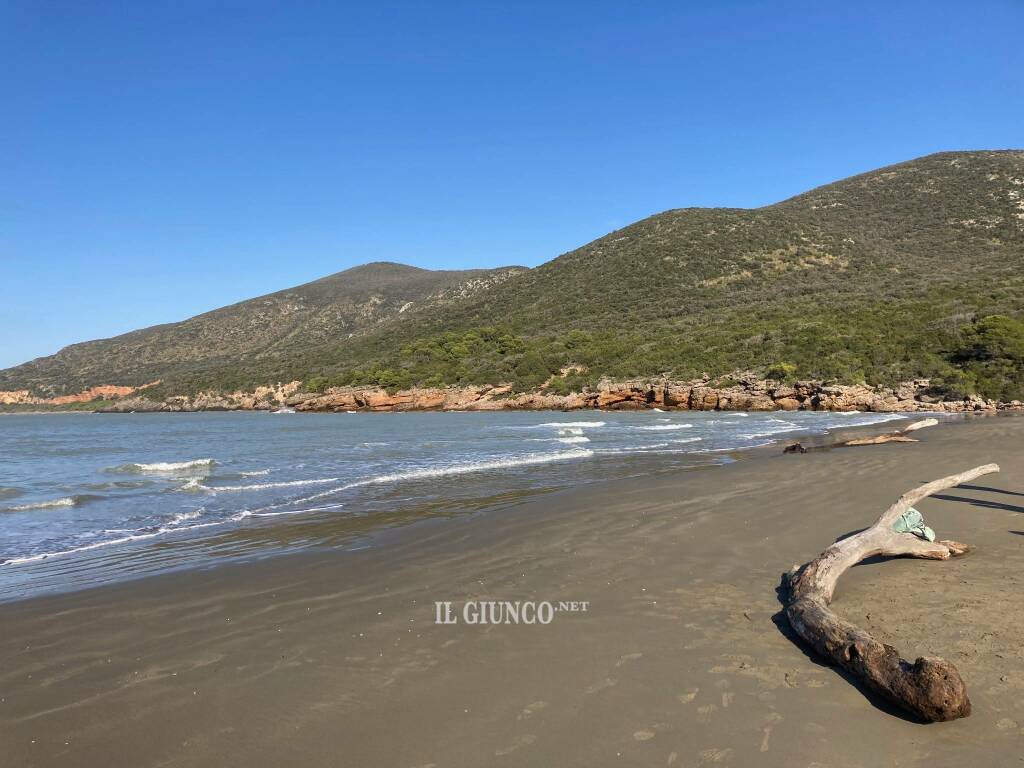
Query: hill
[913,270]
[209,347]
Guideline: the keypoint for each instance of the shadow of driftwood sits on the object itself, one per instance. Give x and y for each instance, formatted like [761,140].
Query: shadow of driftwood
[990,489]
[980,502]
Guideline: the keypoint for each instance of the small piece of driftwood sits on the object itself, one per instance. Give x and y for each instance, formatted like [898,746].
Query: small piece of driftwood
[931,687]
[900,436]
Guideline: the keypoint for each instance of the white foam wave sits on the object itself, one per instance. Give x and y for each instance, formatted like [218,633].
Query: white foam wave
[455,469]
[195,485]
[633,448]
[67,501]
[192,465]
[688,440]
[665,427]
[769,433]
[255,473]
[567,424]
[871,418]
[322,508]
[83,548]
[183,517]
[575,439]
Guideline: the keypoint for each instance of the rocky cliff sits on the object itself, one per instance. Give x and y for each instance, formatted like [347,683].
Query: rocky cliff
[744,393]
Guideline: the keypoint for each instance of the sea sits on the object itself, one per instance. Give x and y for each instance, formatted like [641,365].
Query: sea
[87,499]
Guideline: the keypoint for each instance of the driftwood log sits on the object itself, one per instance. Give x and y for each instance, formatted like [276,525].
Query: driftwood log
[931,687]
[900,436]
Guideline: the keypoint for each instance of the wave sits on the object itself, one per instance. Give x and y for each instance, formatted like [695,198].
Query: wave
[565,436]
[454,469]
[688,440]
[568,424]
[137,534]
[633,449]
[255,473]
[871,418]
[665,427]
[7,492]
[194,484]
[174,525]
[474,466]
[122,484]
[183,517]
[65,501]
[195,465]
[322,508]
[769,433]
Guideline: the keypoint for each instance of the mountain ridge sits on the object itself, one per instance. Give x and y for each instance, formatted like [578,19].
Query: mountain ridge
[884,276]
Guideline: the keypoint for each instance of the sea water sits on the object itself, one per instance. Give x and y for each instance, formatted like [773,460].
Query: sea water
[81,490]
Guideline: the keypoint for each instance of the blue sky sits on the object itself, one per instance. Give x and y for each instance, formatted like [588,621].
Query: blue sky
[162,159]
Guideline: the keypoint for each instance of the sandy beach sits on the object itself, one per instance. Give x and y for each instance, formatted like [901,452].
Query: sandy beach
[680,659]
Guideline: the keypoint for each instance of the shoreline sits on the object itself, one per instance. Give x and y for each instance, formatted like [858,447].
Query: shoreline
[288,659]
[133,553]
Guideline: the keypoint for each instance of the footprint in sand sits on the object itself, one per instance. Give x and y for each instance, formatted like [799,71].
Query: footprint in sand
[531,709]
[715,755]
[672,757]
[643,735]
[522,741]
[727,697]
[687,696]
[628,658]
[600,685]
[1006,724]
[704,713]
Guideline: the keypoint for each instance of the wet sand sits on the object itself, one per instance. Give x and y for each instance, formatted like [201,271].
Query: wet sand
[334,659]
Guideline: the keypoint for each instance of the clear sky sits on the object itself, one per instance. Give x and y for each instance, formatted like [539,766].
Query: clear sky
[159,159]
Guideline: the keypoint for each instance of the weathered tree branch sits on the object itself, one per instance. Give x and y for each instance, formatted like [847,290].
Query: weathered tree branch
[900,436]
[931,687]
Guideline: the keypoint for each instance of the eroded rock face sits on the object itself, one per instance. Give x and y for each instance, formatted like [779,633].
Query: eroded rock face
[101,392]
[746,393]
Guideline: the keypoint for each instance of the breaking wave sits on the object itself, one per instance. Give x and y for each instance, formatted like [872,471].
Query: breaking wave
[195,465]
[452,469]
[65,501]
[196,485]
[665,427]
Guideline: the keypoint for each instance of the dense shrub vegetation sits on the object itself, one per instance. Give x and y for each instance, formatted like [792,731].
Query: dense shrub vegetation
[916,270]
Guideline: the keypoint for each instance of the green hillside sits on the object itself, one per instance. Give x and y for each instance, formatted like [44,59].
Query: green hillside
[912,270]
[224,345]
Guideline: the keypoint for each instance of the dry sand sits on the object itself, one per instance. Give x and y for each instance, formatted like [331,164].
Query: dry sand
[335,660]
